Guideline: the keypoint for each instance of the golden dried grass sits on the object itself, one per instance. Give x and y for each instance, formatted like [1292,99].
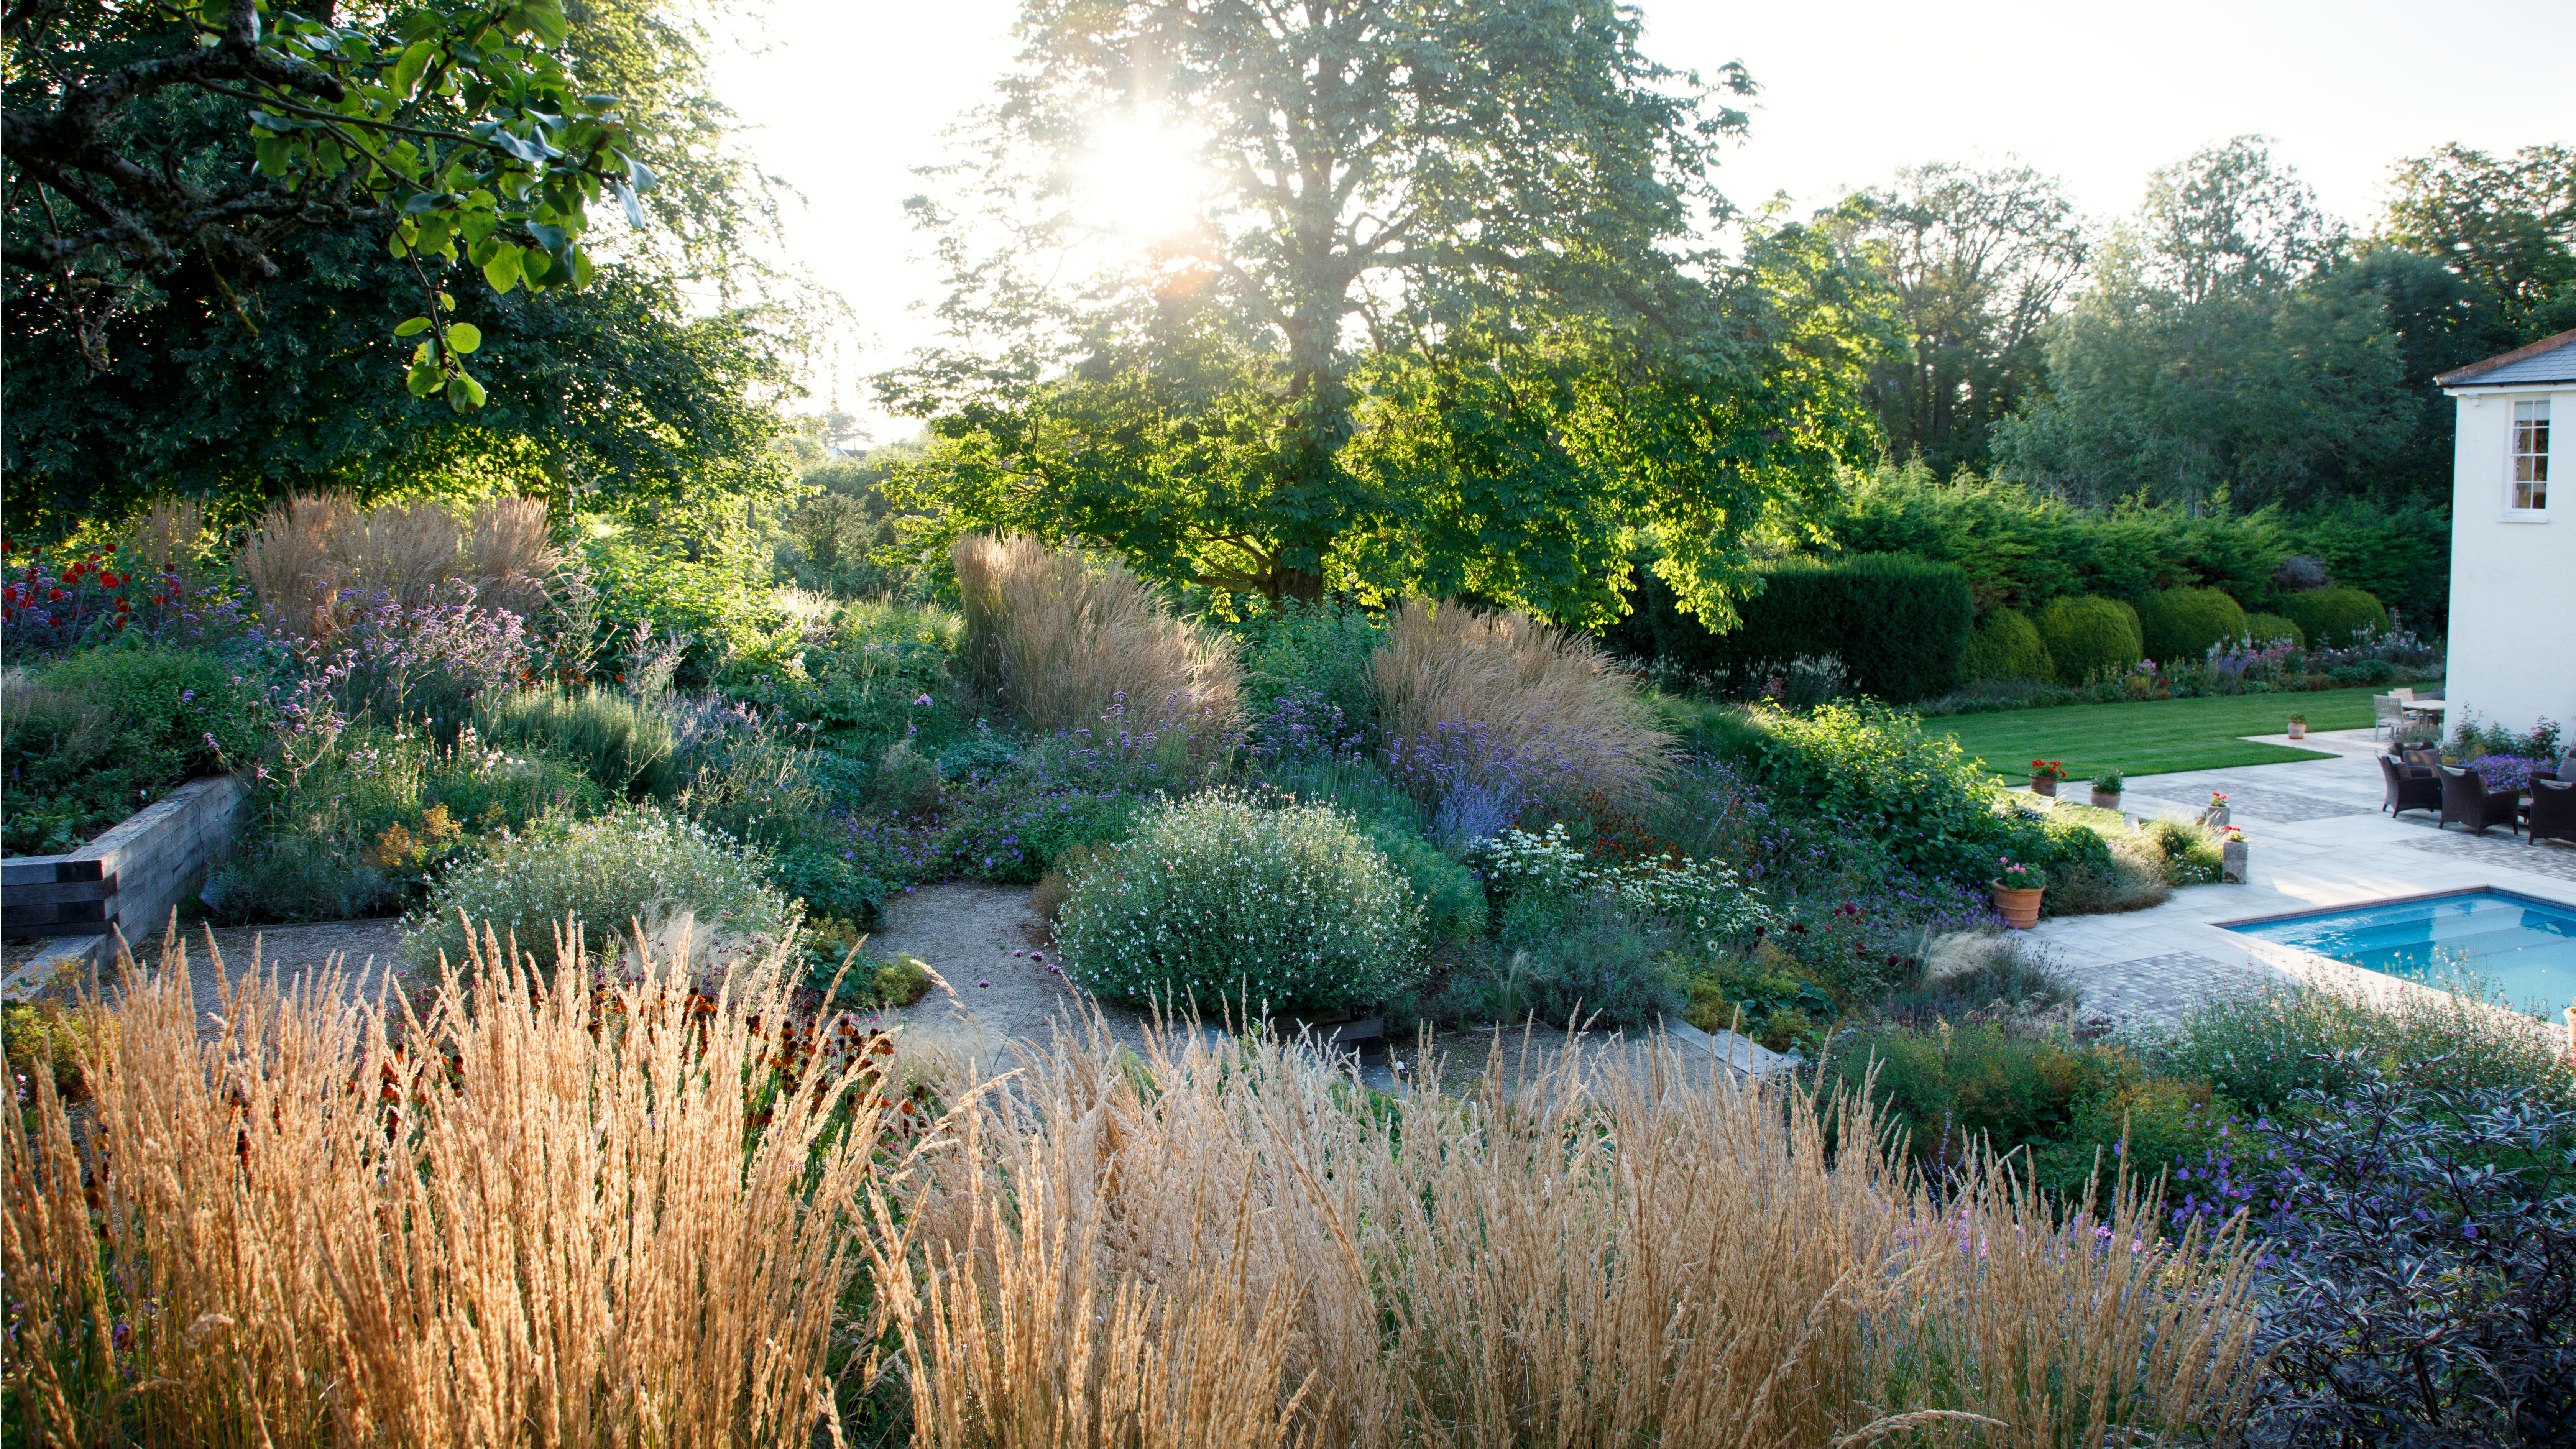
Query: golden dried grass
[169,534]
[1062,638]
[1502,694]
[1233,1247]
[311,548]
[551,1217]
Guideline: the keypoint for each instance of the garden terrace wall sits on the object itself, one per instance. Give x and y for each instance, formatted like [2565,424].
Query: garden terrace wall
[129,879]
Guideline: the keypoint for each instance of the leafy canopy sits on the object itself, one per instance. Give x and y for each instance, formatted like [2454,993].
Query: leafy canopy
[1421,310]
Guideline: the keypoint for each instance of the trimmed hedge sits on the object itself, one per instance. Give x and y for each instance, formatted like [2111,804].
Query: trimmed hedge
[2007,645]
[2260,627]
[1899,624]
[2089,634]
[2329,617]
[2179,624]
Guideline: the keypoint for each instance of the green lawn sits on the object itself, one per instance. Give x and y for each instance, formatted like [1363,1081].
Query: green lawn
[2152,738]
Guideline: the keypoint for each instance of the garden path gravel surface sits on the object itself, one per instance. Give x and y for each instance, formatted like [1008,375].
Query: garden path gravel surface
[365,951]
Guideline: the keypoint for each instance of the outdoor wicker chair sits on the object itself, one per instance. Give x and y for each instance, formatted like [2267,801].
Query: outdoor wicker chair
[2410,787]
[2553,810]
[2465,801]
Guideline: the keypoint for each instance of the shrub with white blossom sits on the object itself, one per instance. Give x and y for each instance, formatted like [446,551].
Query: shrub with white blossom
[611,872]
[1222,902]
[1702,895]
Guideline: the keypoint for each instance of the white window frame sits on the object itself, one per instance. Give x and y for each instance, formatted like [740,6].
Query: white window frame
[2512,442]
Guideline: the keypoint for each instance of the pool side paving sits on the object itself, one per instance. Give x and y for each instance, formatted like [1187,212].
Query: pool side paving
[2318,840]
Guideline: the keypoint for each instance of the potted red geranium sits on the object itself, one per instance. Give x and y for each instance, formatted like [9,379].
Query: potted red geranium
[2044,775]
[2017,889]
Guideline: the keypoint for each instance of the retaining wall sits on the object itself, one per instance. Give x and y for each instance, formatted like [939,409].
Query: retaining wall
[130,878]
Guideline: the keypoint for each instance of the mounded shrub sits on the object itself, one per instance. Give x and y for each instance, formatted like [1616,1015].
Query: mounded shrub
[2087,634]
[2177,624]
[628,867]
[626,747]
[2268,628]
[2006,645]
[1900,624]
[1219,902]
[2330,617]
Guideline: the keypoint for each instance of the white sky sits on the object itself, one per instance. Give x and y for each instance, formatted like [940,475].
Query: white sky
[850,96]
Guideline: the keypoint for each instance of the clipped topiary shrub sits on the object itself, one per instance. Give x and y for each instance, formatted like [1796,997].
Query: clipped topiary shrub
[1900,624]
[2175,624]
[2006,645]
[2087,634]
[1217,901]
[2272,628]
[610,874]
[2330,617]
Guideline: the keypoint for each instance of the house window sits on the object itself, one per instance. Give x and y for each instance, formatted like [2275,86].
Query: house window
[2531,454]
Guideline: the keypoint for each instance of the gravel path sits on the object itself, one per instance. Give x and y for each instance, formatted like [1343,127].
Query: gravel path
[967,935]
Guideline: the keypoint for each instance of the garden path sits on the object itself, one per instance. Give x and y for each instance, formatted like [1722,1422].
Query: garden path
[2317,839]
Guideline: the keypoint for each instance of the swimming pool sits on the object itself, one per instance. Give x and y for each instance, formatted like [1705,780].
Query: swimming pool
[2525,946]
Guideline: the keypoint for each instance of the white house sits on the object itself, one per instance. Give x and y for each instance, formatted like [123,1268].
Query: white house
[2513,537]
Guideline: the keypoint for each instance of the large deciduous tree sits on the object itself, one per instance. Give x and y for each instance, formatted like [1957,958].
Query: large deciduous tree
[1431,317]
[2212,351]
[1975,261]
[2506,224]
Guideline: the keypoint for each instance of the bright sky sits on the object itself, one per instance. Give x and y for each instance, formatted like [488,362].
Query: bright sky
[851,96]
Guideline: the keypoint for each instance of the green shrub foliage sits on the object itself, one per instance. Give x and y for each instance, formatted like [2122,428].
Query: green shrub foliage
[626,747]
[90,740]
[1218,901]
[2006,645]
[2330,617]
[2179,624]
[2090,635]
[629,866]
[1899,624]
[2264,628]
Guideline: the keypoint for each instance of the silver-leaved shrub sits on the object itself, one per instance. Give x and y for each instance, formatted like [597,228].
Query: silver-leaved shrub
[1219,901]
[608,873]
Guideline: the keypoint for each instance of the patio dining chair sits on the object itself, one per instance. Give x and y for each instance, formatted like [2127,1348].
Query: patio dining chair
[2387,712]
[2465,801]
[2410,787]
[2553,810]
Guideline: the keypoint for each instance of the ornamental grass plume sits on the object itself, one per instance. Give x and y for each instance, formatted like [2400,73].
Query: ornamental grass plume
[1499,700]
[1230,1244]
[566,1214]
[313,551]
[1065,639]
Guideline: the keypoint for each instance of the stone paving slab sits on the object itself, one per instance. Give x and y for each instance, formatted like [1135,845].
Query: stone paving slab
[2162,987]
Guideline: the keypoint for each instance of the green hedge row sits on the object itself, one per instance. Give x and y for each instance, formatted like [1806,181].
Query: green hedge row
[1900,625]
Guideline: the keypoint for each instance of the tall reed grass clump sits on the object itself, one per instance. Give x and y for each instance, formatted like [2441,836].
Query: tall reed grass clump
[558,1215]
[1234,1246]
[1064,640]
[627,746]
[312,549]
[1502,702]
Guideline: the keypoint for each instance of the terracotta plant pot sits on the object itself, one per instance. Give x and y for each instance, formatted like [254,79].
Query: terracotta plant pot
[2042,785]
[2106,799]
[2231,862]
[2020,907]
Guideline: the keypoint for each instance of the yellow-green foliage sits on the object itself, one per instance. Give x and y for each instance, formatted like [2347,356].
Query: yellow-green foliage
[2180,624]
[2006,645]
[2088,635]
[2330,617]
[2265,628]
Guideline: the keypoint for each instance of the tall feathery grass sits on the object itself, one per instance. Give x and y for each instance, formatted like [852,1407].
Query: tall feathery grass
[1063,638]
[584,1215]
[580,1217]
[1233,1247]
[1501,700]
[309,549]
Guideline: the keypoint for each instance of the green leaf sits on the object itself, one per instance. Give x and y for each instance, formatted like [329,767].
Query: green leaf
[502,271]
[411,327]
[463,336]
[415,59]
[464,393]
[422,381]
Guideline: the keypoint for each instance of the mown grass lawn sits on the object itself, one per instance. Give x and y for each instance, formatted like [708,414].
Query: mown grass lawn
[2151,738]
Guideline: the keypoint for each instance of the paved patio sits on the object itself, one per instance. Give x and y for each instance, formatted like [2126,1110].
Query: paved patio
[2318,839]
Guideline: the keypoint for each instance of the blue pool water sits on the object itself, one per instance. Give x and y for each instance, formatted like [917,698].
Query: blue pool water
[2524,946]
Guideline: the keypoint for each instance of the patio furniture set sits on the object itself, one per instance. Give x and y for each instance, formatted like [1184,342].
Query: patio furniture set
[2399,712]
[2458,795]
